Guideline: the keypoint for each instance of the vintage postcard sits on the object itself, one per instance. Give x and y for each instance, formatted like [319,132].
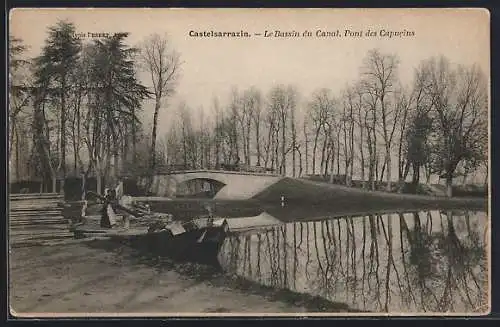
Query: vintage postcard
[249,162]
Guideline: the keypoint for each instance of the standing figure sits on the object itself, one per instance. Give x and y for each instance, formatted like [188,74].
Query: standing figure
[105,223]
[112,207]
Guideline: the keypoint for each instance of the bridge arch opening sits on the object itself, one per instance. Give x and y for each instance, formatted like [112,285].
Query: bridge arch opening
[199,188]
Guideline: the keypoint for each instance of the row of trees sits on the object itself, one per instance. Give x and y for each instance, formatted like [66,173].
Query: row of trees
[435,125]
[76,108]
[86,98]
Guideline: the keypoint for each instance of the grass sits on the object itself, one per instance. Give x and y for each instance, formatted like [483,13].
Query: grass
[306,199]
[468,190]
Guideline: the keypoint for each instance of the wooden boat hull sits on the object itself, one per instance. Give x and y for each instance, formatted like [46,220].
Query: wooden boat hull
[188,246]
[199,244]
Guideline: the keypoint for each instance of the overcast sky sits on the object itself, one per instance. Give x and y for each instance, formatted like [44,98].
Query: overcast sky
[213,65]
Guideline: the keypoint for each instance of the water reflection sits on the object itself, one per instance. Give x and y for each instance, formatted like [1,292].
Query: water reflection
[409,262]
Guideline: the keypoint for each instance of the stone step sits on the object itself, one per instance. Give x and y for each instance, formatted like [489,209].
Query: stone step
[24,196]
[35,208]
[35,201]
[34,216]
[60,226]
[35,212]
[23,207]
[54,233]
[36,222]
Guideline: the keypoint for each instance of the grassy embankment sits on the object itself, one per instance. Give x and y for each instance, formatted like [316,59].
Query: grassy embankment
[467,190]
[304,198]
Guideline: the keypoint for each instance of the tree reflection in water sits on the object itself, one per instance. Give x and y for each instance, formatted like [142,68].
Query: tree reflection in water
[404,262]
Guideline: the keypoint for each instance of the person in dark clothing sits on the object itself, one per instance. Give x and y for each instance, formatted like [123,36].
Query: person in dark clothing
[105,222]
[113,201]
[113,208]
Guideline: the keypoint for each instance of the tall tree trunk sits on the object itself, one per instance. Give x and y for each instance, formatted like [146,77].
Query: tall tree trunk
[268,146]
[323,149]
[346,152]
[402,180]
[116,167]
[257,141]
[249,159]
[63,133]
[84,186]
[217,151]
[41,137]
[362,155]
[329,154]
[371,163]
[134,139]
[78,129]
[449,185]
[374,150]
[332,168]
[427,173]
[153,134]
[18,154]
[306,144]
[283,149]
[315,147]
[338,153]
[416,174]
[98,176]
[389,168]
[300,162]
[351,150]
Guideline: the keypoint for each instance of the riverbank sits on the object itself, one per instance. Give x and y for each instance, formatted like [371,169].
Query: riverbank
[432,189]
[304,199]
[108,277]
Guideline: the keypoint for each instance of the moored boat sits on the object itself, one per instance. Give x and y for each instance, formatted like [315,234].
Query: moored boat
[198,239]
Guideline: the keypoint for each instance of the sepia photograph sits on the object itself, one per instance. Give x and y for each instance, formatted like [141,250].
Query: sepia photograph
[248,162]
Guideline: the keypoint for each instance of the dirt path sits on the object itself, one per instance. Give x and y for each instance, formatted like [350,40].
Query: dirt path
[105,277]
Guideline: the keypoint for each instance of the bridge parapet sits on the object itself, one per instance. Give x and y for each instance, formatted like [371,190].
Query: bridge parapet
[229,172]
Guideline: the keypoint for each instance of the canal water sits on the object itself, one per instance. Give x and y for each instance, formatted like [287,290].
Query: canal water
[416,262]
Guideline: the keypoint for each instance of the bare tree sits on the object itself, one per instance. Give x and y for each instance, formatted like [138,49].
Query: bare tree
[163,64]
[319,107]
[272,130]
[370,123]
[348,123]
[380,75]
[361,123]
[256,104]
[305,129]
[294,144]
[251,107]
[282,100]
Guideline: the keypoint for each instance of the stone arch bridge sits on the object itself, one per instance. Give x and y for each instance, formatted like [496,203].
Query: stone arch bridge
[223,185]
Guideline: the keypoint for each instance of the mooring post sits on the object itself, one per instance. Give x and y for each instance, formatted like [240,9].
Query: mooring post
[282,201]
